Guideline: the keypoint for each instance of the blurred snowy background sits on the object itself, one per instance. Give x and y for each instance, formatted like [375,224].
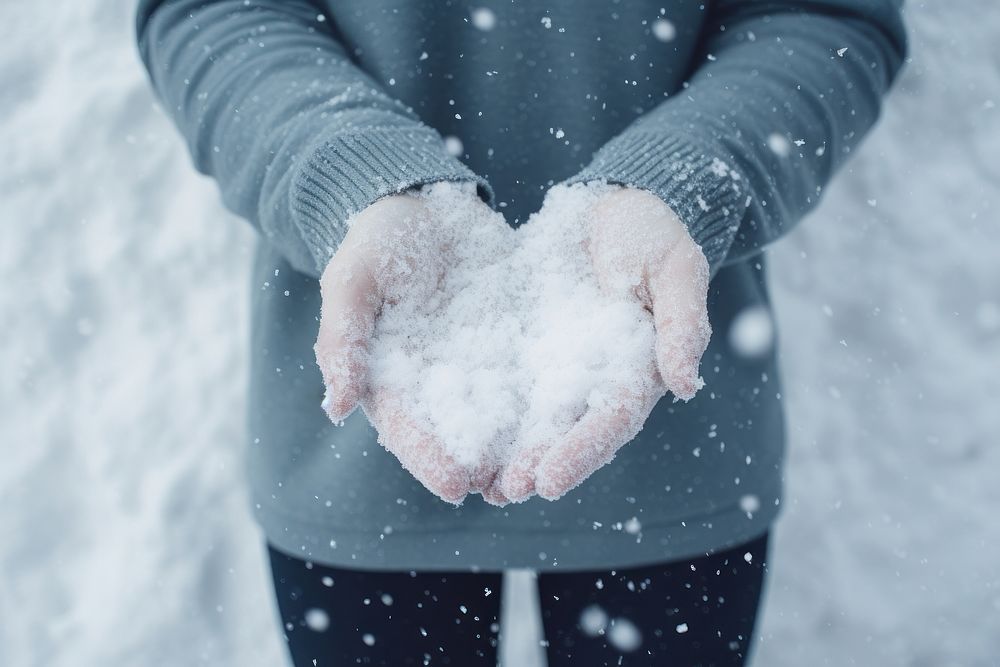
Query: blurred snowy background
[123,339]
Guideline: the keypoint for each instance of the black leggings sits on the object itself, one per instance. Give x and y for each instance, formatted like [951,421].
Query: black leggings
[692,612]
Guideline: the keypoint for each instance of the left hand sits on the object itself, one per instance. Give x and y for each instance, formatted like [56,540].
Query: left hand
[637,245]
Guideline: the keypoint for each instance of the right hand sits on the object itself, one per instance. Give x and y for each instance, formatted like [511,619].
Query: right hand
[394,249]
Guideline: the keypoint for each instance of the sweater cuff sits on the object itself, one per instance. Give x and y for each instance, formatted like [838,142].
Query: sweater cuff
[706,193]
[348,172]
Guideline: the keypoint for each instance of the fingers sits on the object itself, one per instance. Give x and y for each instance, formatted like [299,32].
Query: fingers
[419,453]
[347,321]
[593,441]
[482,476]
[679,295]
[494,496]
[517,480]
[485,480]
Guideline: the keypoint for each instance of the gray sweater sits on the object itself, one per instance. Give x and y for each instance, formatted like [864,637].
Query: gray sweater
[306,112]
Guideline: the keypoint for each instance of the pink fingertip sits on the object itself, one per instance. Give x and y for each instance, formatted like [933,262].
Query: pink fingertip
[482,478]
[338,408]
[338,417]
[454,498]
[553,480]
[451,488]
[518,484]
[494,497]
[551,490]
[681,379]
[685,389]
[446,480]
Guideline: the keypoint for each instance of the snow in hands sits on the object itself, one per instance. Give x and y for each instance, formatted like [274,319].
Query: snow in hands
[511,362]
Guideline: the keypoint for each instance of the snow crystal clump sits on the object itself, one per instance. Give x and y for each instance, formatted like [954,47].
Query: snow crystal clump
[633,526]
[779,145]
[517,341]
[454,146]
[484,19]
[593,620]
[624,635]
[317,620]
[752,332]
[749,503]
[664,30]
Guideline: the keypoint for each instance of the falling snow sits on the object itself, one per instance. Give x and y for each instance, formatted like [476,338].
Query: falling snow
[624,635]
[317,620]
[664,30]
[593,620]
[779,144]
[484,19]
[453,145]
[752,332]
[910,281]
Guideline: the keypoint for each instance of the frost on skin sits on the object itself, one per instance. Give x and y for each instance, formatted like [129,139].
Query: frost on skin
[511,363]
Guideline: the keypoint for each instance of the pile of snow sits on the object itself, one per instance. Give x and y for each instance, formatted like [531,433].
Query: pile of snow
[518,340]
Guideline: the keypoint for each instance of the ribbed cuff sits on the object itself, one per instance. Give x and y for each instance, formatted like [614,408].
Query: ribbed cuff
[701,188]
[348,172]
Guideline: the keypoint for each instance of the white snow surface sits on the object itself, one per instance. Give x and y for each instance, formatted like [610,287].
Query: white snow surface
[126,538]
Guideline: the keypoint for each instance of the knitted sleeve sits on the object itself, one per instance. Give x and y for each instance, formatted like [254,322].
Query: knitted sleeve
[272,107]
[781,94]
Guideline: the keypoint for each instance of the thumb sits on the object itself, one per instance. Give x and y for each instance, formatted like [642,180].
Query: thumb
[350,302]
[679,295]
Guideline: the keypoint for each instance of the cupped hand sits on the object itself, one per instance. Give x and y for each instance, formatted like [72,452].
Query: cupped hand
[638,246]
[394,249]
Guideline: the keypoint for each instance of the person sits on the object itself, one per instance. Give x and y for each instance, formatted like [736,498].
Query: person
[719,123]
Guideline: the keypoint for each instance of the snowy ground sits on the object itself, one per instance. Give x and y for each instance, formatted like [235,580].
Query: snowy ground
[123,338]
